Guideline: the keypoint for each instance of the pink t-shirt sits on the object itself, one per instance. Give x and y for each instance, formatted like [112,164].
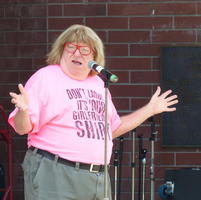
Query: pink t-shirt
[68,115]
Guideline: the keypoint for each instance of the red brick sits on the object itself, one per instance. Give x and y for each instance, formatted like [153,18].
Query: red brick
[9,51]
[25,37]
[63,23]
[9,77]
[39,62]
[138,103]
[39,37]
[102,35]
[33,50]
[188,22]
[5,89]
[52,36]
[17,170]
[85,10]
[145,77]
[25,75]
[97,0]
[9,24]
[146,9]
[198,8]
[129,63]
[30,1]
[129,36]
[190,159]
[12,11]
[121,103]
[129,9]
[15,63]
[65,1]
[145,49]
[33,24]
[2,38]
[18,37]
[199,36]
[156,63]
[130,90]
[26,11]
[55,10]
[164,158]
[175,8]
[20,144]
[39,11]
[5,101]
[1,11]
[151,22]
[174,36]
[107,23]
[122,75]
[116,49]
[18,194]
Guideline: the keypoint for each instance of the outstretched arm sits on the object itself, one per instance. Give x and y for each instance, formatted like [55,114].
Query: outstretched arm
[22,121]
[158,103]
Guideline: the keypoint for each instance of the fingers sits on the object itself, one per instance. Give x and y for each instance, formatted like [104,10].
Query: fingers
[171,109]
[21,88]
[165,94]
[172,103]
[12,94]
[171,98]
[158,91]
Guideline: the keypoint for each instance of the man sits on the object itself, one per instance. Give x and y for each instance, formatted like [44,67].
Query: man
[61,109]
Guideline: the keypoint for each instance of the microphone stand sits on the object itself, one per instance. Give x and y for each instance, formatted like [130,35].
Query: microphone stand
[152,172]
[121,139]
[133,166]
[106,142]
[142,168]
[116,165]
[144,161]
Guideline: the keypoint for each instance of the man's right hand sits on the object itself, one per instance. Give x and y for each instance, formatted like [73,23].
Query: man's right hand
[20,100]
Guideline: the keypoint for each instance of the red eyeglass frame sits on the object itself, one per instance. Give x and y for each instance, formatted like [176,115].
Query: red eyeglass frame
[78,47]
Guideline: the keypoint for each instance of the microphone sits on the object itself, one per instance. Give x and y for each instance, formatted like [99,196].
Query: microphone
[103,72]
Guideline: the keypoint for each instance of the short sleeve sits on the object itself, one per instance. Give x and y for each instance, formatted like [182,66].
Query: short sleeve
[37,98]
[115,120]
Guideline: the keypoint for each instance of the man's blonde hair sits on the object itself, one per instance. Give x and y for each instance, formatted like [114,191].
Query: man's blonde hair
[77,33]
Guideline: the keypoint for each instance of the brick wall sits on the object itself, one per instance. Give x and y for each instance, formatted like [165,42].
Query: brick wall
[133,32]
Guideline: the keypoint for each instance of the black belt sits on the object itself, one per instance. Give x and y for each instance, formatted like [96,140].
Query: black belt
[51,156]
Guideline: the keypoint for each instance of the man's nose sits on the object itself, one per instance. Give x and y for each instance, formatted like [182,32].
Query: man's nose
[77,52]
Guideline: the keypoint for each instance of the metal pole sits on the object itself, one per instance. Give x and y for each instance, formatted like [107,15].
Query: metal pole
[133,165]
[144,151]
[106,140]
[152,169]
[116,164]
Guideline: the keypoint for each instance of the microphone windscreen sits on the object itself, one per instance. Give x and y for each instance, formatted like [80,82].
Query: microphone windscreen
[91,64]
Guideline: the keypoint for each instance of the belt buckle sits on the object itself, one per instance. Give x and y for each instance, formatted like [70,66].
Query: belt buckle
[91,169]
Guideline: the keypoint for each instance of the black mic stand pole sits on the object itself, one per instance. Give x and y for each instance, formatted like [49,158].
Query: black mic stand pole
[116,165]
[121,139]
[152,171]
[106,142]
[144,151]
[142,169]
[140,144]
[133,165]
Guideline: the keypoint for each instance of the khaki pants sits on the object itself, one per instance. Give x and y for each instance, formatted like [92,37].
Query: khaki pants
[46,179]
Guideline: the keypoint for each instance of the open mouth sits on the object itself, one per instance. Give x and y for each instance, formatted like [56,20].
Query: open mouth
[76,62]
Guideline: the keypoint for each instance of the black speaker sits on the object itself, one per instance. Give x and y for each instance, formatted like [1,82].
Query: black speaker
[181,72]
[187,183]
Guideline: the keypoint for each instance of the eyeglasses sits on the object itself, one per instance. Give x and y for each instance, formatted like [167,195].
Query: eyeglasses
[84,50]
